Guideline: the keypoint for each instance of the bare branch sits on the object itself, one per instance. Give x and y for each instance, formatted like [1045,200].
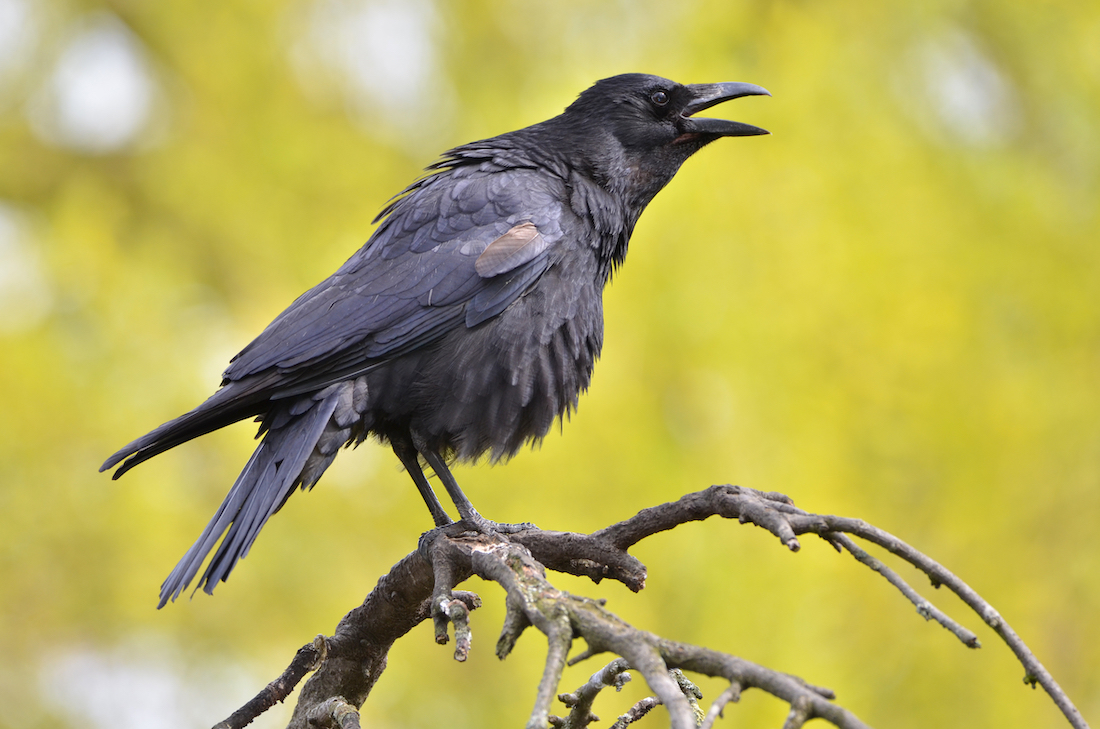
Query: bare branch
[614,674]
[307,659]
[559,639]
[777,514]
[497,558]
[731,694]
[357,651]
[594,556]
[643,707]
[925,609]
[515,622]
[764,509]
[424,585]
[1035,672]
[336,713]
[636,712]
[799,714]
[455,608]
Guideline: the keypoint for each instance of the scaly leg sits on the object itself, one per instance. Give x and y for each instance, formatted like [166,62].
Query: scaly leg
[466,511]
[407,454]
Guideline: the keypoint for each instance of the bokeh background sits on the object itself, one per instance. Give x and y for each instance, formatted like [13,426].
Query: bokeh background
[888,309]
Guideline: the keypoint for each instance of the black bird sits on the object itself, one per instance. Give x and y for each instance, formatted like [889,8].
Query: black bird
[469,321]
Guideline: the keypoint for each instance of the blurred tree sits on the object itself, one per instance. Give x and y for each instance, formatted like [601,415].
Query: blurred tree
[902,325]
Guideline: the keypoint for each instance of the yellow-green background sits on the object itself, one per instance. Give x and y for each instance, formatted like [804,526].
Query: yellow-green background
[888,309]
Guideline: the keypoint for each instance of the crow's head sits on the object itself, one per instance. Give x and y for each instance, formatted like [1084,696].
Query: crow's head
[645,112]
[638,129]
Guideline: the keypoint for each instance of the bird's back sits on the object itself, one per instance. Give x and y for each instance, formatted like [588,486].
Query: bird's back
[470,357]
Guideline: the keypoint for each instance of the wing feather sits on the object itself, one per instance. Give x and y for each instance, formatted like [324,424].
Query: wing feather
[518,246]
[457,249]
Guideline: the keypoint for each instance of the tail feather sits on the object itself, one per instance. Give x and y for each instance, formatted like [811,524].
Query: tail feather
[225,407]
[267,481]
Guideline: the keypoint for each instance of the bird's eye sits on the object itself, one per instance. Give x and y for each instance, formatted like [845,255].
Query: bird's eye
[660,98]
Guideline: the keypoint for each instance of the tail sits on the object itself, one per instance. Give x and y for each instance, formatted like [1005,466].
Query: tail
[301,439]
[233,402]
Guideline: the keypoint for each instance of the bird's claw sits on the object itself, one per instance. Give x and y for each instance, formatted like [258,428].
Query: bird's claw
[476,524]
[479,524]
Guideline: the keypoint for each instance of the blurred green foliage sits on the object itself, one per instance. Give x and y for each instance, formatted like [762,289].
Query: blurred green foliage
[889,309]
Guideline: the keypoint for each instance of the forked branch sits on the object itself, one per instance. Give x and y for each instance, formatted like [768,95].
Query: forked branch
[424,585]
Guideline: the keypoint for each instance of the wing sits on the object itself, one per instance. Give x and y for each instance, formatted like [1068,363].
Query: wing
[456,250]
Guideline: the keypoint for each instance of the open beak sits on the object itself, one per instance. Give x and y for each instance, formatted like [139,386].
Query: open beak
[705,96]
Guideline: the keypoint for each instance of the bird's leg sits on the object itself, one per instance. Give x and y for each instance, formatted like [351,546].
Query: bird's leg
[407,454]
[466,510]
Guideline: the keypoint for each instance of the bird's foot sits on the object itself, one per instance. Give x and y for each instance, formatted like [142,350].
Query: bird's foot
[477,523]
[470,524]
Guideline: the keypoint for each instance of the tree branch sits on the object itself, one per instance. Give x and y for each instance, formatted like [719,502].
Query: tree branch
[580,702]
[308,658]
[1035,672]
[424,583]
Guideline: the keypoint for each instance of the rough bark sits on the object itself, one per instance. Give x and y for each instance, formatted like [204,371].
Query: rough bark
[423,585]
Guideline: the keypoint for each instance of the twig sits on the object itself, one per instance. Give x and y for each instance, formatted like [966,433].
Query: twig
[305,660]
[798,715]
[777,513]
[732,693]
[925,609]
[614,674]
[636,712]
[1035,672]
[357,650]
[561,617]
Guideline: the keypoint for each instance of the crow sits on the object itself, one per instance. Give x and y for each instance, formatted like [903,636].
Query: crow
[468,322]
